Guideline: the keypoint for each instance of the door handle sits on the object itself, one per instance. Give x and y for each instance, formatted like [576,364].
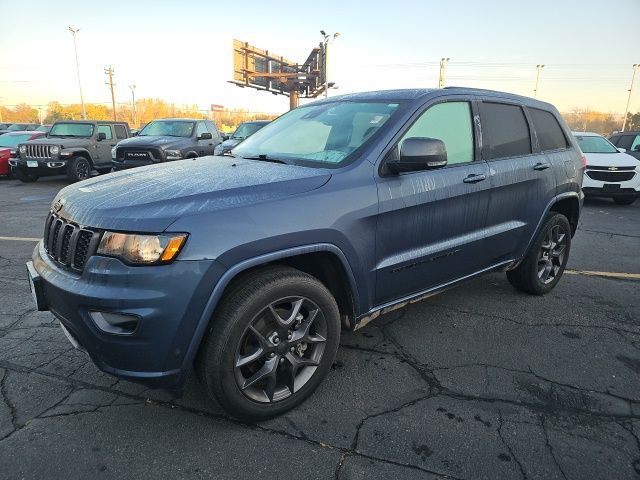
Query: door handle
[475,178]
[541,166]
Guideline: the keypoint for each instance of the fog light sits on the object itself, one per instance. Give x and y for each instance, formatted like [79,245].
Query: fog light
[115,323]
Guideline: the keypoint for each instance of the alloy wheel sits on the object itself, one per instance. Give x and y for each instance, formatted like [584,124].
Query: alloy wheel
[280,349]
[82,170]
[551,256]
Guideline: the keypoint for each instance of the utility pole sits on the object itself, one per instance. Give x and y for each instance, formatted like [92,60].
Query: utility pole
[539,68]
[75,48]
[133,103]
[443,65]
[328,38]
[109,71]
[626,110]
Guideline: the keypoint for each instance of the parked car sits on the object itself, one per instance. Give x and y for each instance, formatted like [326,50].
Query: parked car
[19,127]
[4,126]
[71,147]
[244,131]
[167,140]
[610,172]
[630,141]
[9,148]
[44,128]
[339,211]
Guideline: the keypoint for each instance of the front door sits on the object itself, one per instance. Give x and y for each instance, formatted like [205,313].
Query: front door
[431,223]
[103,148]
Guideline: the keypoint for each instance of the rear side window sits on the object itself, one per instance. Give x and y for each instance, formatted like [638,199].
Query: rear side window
[120,131]
[629,142]
[550,134]
[451,123]
[505,131]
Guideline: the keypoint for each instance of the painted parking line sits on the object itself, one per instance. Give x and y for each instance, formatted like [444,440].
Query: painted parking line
[590,273]
[20,239]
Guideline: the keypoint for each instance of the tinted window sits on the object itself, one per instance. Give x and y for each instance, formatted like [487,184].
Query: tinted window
[629,142]
[505,132]
[106,129]
[451,123]
[201,128]
[121,132]
[635,146]
[550,135]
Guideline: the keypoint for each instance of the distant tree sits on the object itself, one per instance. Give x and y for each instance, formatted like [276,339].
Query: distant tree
[633,121]
[587,120]
[22,113]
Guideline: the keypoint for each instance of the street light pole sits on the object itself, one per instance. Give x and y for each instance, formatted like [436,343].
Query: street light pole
[133,103]
[539,68]
[443,65]
[626,111]
[327,40]
[75,48]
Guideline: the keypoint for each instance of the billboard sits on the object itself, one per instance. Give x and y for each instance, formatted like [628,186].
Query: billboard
[262,70]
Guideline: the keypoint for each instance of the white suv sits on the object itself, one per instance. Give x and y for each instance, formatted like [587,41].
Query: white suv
[610,171]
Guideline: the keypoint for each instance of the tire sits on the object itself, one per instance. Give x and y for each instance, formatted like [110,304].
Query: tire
[245,367]
[24,176]
[102,171]
[624,200]
[78,169]
[544,264]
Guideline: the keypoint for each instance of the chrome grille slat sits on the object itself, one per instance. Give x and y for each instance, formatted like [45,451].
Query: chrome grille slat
[69,244]
[38,151]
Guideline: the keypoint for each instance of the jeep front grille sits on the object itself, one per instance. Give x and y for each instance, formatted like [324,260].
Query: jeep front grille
[69,244]
[610,176]
[38,151]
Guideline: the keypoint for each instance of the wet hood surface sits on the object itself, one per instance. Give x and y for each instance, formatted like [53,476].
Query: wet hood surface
[155,141]
[149,199]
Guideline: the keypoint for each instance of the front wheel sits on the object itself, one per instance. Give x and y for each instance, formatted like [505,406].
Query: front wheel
[542,268]
[271,343]
[78,169]
[624,200]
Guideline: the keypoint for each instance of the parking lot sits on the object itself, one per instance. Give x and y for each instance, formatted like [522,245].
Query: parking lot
[479,382]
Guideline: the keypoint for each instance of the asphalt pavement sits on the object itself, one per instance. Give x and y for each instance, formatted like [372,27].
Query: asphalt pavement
[481,382]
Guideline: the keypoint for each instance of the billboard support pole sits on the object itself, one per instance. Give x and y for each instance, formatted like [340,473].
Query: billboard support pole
[293,97]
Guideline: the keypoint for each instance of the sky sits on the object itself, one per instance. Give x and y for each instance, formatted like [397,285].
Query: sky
[182,51]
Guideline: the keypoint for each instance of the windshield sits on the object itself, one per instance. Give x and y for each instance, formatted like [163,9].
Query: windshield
[13,140]
[17,126]
[325,133]
[168,128]
[71,130]
[43,128]
[246,129]
[591,144]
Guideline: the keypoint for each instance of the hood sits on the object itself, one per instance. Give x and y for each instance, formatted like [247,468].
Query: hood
[65,142]
[154,141]
[229,144]
[149,199]
[611,160]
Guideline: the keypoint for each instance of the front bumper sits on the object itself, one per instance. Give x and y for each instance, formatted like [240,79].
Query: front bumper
[598,188]
[40,166]
[168,300]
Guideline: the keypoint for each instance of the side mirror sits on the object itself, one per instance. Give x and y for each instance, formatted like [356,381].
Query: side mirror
[622,150]
[102,136]
[225,138]
[205,136]
[419,153]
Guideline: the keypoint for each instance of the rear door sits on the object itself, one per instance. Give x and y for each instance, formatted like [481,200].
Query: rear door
[430,224]
[522,179]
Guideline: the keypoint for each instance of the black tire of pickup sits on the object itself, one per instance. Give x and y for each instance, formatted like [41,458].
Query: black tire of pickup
[24,176]
[624,200]
[544,264]
[78,169]
[240,313]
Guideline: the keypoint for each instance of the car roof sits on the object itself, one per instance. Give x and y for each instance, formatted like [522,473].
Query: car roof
[256,122]
[415,94]
[587,134]
[23,132]
[181,119]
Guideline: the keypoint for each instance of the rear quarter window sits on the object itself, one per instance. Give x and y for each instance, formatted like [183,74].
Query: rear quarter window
[121,132]
[549,131]
[505,131]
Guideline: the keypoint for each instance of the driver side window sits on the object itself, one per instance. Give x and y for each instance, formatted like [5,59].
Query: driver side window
[201,128]
[450,122]
[106,129]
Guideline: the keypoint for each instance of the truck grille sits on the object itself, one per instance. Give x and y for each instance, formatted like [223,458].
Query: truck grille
[609,176]
[131,153]
[69,244]
[38,151]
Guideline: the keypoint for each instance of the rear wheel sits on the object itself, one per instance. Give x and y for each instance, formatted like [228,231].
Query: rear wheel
[271,343]
[78,169]
[545,262]
[624,200]
[24,176]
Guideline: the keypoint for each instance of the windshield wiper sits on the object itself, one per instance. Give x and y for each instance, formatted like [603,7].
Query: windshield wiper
[263,157]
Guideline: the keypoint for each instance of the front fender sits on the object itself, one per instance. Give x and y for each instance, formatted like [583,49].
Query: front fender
[68,153]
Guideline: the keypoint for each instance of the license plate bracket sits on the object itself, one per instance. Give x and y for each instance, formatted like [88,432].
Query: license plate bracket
[610,187]
[32,163]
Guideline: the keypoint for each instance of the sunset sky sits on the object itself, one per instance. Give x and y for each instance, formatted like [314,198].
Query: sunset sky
[181,51]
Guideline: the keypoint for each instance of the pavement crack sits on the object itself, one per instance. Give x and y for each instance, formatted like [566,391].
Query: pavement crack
[549,447]
[504,442]
[12,409]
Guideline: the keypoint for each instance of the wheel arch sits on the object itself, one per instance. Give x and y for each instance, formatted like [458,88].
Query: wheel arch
[570,208]
[82,152]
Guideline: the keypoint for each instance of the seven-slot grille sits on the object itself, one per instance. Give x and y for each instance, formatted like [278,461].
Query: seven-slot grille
[611,176]
[69,244]
[38,151]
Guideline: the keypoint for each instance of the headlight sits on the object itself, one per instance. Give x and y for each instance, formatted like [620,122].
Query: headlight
[142,249]
[55,150]
[173,154]
[113,153]
[23,149]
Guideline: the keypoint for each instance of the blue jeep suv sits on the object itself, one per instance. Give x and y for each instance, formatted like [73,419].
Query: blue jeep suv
[341,210]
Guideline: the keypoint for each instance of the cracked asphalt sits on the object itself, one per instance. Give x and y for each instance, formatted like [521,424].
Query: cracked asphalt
[479,382]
